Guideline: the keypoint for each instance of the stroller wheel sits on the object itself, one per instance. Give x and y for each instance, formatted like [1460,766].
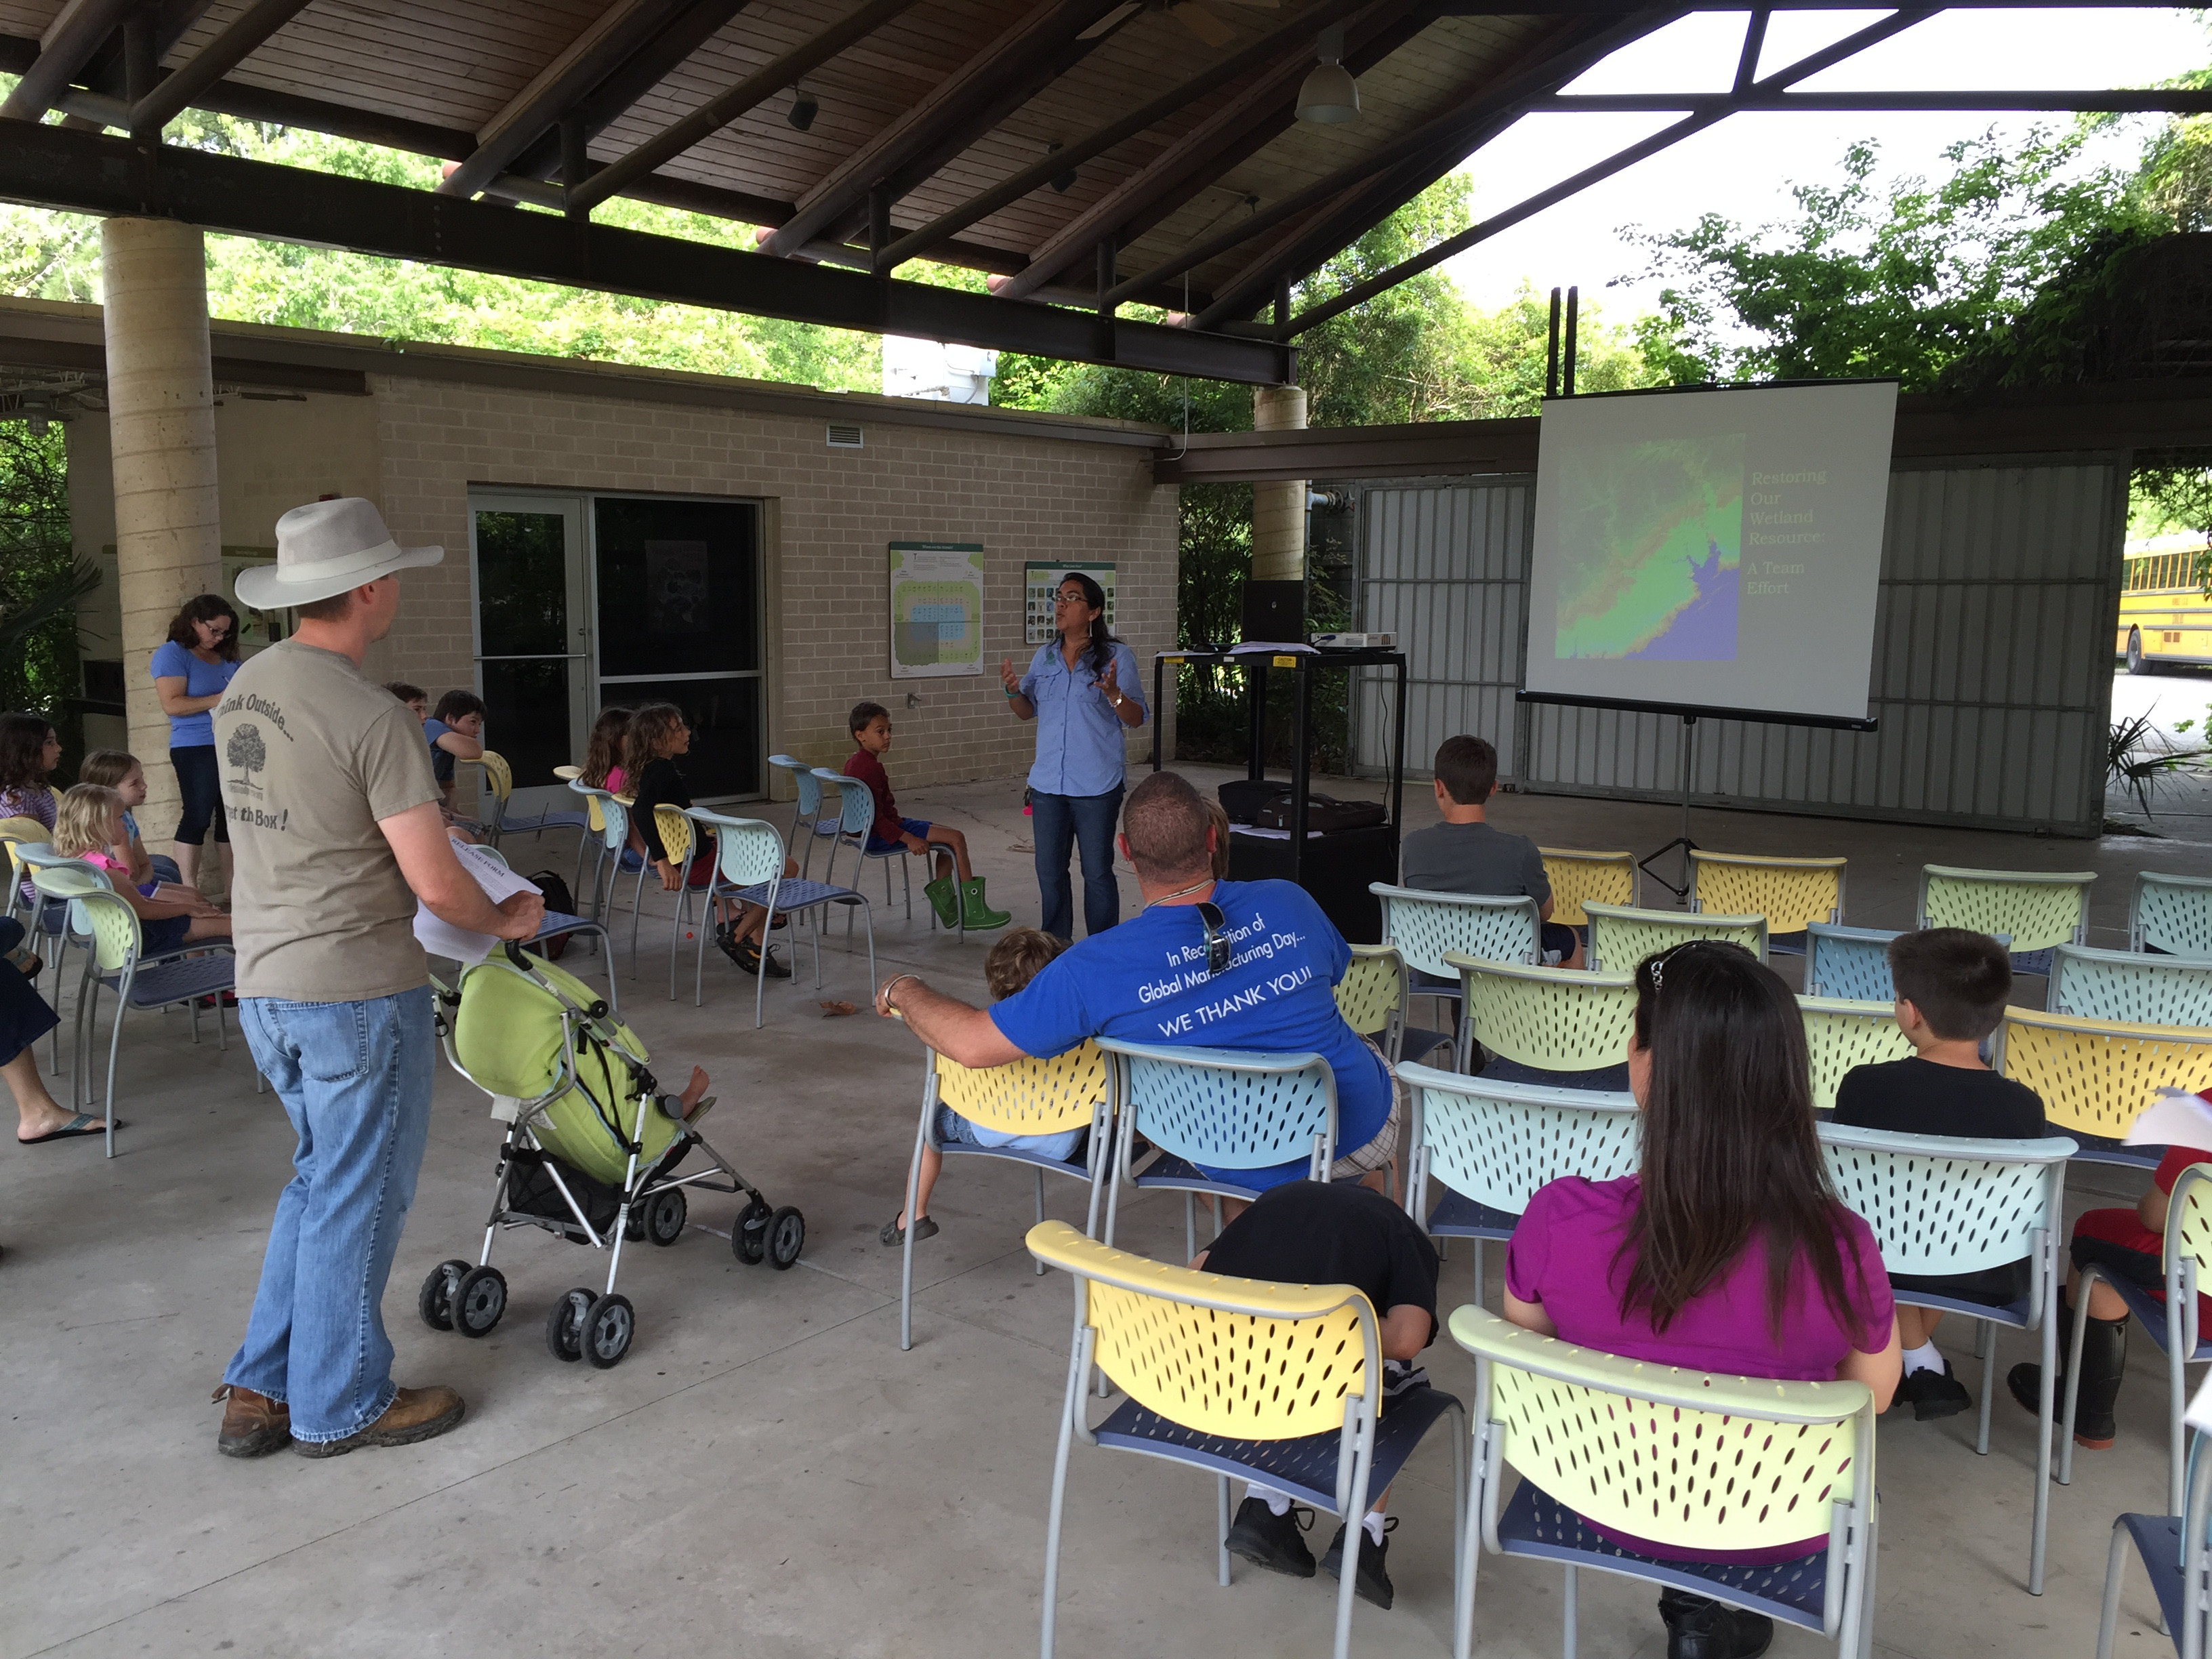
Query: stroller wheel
[749,1238]
[564,1326]
[787,1236]
[664,1216]
[479,1300]
[435,1301]
[608,1328]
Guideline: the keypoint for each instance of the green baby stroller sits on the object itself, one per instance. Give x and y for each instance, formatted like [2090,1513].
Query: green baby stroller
[591,1154]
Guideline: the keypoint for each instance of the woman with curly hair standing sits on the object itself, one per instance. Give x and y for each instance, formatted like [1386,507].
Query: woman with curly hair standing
[192,670]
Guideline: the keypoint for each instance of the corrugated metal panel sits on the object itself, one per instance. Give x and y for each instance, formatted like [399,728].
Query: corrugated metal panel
[1992,665]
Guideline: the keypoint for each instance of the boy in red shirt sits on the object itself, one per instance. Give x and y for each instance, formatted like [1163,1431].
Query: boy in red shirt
[964,907]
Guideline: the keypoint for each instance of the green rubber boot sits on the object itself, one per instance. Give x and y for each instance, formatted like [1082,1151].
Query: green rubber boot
[945,900]
[977,914]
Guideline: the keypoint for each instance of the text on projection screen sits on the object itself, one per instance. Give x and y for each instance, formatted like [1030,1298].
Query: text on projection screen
[1714,550]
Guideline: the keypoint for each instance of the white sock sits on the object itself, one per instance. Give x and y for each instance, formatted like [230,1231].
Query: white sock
[1375,1525]
[1923,1358]
[1278,1503]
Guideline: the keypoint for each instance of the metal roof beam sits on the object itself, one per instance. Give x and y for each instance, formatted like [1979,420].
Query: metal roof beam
[1007,68]
[89,172]
[610,41]
[180,89]
[2177,100]
[1293,38]
[719,111]
[65,47]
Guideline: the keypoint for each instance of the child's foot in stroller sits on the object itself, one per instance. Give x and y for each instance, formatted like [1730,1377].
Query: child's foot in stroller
[694,1092]
[894,1230]
[253,1424]
[414,1415]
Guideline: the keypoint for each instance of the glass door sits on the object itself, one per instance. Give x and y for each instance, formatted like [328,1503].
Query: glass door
[678,586]
[527,567]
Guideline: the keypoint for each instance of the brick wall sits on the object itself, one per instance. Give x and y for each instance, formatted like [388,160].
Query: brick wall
[830,514]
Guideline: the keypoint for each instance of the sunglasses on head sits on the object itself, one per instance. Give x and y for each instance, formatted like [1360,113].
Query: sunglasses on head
[1657,964]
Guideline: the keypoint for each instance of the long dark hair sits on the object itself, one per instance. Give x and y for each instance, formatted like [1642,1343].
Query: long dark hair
[650,723]
[1730,1150]
[604,752]
[1102,641]
[201,608]
[22,744]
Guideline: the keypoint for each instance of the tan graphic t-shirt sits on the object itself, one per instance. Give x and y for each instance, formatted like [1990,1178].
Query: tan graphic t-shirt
[311,755]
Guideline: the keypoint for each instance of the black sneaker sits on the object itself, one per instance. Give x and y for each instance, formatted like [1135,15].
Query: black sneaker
[1933,1394]
[1374,1585]
[750,958]
[1699,1628]
[1270,1540]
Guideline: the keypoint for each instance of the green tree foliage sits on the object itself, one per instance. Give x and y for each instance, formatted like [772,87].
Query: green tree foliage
[40,579]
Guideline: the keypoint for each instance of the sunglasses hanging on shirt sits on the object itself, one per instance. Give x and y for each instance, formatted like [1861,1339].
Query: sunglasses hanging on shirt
[1217,943]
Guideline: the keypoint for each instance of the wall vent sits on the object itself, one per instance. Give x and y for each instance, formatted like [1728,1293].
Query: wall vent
[844,437]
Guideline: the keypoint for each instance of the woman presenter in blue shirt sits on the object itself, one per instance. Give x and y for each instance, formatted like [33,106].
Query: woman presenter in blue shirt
[1084,689]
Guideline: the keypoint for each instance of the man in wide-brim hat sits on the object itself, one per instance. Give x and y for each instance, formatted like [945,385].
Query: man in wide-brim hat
[336,833]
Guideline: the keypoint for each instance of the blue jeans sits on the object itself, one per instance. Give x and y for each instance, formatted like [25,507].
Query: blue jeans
[355,1078]
[1059,823]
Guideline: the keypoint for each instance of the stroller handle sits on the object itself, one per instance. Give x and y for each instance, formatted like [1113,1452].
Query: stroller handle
[518,959]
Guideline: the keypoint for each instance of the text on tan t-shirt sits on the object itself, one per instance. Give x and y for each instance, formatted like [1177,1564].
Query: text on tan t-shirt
[311,755]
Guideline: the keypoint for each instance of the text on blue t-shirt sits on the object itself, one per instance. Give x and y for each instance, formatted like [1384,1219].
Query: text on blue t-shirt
[1145,981]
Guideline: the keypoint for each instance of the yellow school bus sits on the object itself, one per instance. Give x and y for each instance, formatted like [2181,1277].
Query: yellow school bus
[2165,616]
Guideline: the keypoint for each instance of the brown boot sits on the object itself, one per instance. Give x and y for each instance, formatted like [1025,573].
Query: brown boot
[253,1424]
[414,1415]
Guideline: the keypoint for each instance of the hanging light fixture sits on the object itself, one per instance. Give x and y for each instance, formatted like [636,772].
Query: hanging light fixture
[1330,94]
[803,108]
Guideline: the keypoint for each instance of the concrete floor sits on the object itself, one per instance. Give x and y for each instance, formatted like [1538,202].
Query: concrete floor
[766,1471]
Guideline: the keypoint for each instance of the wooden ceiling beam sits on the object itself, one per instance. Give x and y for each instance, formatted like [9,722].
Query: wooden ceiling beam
[65,48]
[177,91]
[1042,43]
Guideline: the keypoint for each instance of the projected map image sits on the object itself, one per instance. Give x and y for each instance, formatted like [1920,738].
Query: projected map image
[1652,537]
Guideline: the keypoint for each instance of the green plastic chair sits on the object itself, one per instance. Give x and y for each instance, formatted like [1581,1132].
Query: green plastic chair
[1371,997]
[1621,937]
[1840,1034]
[1682,1458]
[1545,1021]
[114,962]
[2035,910]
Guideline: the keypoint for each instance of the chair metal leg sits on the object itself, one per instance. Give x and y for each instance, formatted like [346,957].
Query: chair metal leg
[114,1046]
[1040,1211]
[1221,1525]
[2115,1569]
[2090,1275]
[2177,1445]
[1071,1404]
[1478,1270]
[1355,1534]
[906,1256]
[1189,1226]
[1567,1615]
[1988,1350]
[2044,1413]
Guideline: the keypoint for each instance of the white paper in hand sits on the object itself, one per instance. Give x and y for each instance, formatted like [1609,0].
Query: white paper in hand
[441,937]
[2176,1118]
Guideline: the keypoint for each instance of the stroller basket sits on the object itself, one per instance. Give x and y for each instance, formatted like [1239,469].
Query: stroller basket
[532,1191]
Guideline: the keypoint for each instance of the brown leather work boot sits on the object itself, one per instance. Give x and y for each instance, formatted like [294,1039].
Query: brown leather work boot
[414,1415]
[253,1424]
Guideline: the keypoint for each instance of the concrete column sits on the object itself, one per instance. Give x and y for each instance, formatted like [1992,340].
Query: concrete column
[1279,510]
[161,423]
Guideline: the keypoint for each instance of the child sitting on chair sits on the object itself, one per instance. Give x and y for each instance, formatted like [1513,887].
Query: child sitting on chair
[1015,959]
[88,823]
[956,908]
[113,769]
[602,751]
[1467,853]
[1952,986]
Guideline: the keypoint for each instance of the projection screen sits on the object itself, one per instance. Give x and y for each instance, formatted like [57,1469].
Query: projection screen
[1712,552]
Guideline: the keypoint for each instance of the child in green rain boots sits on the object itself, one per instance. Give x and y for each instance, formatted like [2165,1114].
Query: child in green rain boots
[957,907]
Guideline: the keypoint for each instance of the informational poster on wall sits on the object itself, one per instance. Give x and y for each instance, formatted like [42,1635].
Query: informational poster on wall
[1040,581]
[936,609]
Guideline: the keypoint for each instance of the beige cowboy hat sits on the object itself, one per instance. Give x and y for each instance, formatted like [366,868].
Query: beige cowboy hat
[325,549]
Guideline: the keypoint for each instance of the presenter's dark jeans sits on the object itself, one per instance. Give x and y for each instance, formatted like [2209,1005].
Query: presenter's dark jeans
[1062,823]
[199,780]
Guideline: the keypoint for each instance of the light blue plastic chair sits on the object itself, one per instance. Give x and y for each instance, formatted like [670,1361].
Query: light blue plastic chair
[856,817]
[1224,1107]
[1424,926]
[2125,985]
[749,859]
[1849,962]
[1940,1206]
[2177,1557]
[1490,1145]
[2171,913]
[807,823]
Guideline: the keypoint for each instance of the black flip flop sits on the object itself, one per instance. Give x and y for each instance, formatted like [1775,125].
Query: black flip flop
[75,1129]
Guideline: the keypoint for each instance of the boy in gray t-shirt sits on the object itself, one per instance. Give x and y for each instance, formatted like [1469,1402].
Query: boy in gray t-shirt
[1466,853]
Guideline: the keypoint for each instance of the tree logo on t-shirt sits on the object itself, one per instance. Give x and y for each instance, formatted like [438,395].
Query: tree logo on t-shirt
[249,754]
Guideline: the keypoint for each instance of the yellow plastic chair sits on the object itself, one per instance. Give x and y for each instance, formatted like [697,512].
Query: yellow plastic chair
[1577,877]
[1555,1027]
[1371,997]
[1680,1457]
[1620,936]
[2096,1076]
[499,784]
[1281,1382]
[1841,1033]
[2034,909]
[32,833]
[1792,894]
[1023,1097]
[2172,1324]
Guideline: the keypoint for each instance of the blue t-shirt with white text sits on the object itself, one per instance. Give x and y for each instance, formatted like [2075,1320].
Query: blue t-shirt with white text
[1145,980]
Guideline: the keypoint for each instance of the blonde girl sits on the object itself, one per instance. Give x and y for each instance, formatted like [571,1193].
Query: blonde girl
[113,769]
[88,823]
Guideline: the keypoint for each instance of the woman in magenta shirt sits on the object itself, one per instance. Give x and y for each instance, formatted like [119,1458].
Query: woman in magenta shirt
[1730,1251]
